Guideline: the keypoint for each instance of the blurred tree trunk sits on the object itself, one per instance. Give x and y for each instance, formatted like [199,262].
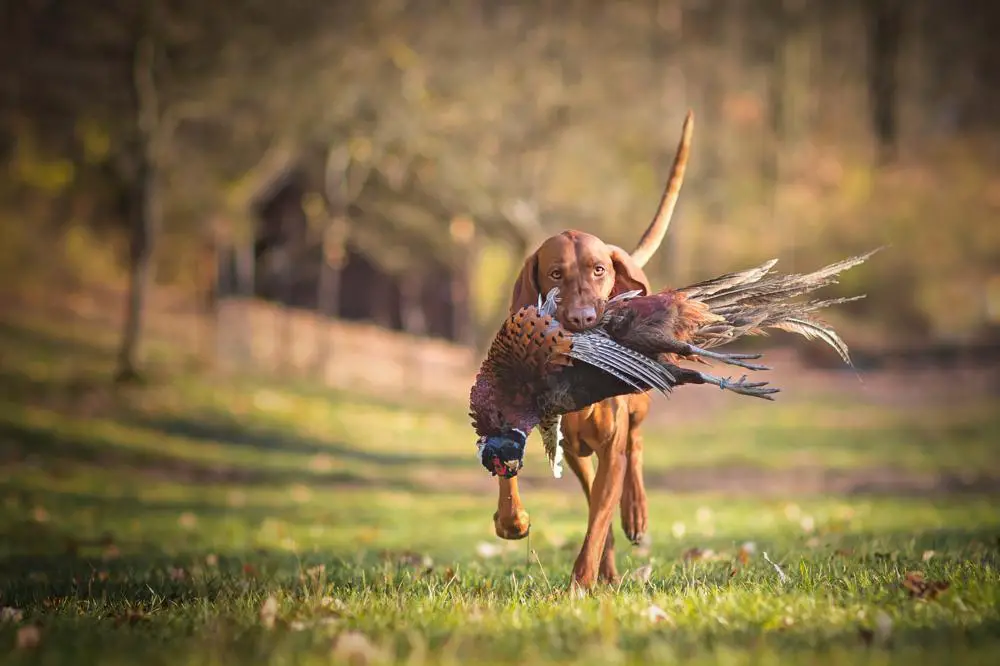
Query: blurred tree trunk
[328,287]
[411,289]
[246,287]
[463,234]
[145,210]
[885,27]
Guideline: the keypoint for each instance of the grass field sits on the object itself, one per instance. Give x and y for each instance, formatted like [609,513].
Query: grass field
[200,521]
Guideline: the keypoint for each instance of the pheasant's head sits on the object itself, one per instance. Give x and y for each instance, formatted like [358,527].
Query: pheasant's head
[503,454]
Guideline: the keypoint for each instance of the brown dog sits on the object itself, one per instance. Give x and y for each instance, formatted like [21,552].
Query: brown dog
[588,272]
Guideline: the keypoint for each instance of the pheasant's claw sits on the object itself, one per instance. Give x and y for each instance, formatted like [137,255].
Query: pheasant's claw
[741,386]
[731,359]
[753,389]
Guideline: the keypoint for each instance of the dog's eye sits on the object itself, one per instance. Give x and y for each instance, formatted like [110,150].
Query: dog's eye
[600,270]
[555,274]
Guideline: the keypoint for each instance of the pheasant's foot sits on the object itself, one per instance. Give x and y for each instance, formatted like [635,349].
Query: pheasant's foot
[742,386]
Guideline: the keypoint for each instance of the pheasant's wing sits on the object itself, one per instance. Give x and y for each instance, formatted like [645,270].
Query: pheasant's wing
[533,356]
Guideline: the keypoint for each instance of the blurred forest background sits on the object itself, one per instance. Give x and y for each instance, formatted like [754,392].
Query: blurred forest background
[305,186]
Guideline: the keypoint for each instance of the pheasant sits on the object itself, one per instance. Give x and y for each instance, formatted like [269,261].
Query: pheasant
[536,370]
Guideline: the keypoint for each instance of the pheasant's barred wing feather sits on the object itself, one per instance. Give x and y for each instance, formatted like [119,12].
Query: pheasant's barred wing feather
[637,370]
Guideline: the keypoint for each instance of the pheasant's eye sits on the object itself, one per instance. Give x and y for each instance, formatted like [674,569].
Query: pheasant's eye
[600,270]
[555,274]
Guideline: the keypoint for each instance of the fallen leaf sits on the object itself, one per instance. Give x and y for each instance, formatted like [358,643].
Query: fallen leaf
[131,617]
[28,637]
[212,560]
[321,463]
[300,493]
[643,573]
[236,498]
[695,554]
[655,614]
[313,573]
[333,604]
[355,648]
[883,627]
[9,614]
[269,612]
[920,588]
[928,554]
[746,550]
[487,550]
[187,520]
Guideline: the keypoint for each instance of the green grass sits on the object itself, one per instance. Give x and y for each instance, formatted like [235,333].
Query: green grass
[152,525]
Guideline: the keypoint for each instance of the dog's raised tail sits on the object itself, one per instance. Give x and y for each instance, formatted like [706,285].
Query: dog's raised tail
[651,239]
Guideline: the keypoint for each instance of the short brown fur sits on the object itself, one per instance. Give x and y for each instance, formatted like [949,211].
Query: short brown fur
[589,271]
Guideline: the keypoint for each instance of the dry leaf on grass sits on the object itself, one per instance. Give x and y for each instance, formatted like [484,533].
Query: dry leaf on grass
[187,520]
[28,637]
[656,615]
[745,552]
[356,649]
[643,573]
[9,614]
[130,617]
[882,632]
[928,554]
[486,550]
[920,588]
[269,612]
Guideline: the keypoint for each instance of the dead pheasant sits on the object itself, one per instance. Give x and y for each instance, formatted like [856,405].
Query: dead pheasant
[536,370]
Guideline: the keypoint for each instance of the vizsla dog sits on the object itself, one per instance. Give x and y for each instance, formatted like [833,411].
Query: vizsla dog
[588,272]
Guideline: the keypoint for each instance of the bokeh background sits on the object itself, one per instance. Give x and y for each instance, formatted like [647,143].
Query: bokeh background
[257,249]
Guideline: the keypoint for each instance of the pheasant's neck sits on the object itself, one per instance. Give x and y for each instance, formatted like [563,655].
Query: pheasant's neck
[492,414]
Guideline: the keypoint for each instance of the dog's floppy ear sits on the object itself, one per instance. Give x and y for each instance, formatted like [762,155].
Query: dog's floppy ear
[628,274]
[526,286]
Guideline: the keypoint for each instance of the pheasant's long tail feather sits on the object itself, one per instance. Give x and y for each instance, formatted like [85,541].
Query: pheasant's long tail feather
[749,302]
